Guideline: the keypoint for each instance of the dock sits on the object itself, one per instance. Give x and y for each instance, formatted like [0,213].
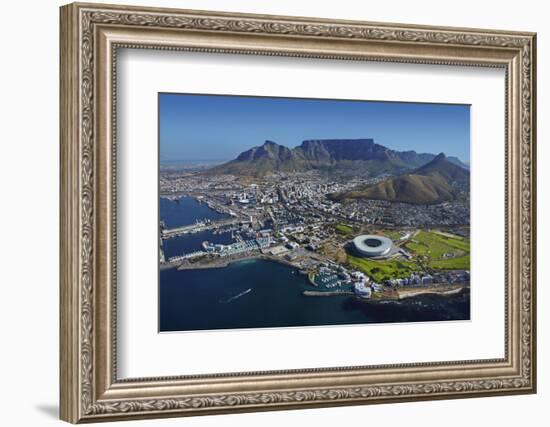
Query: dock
[201,226]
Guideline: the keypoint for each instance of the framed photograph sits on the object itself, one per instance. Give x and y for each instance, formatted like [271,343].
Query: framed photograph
[266,212]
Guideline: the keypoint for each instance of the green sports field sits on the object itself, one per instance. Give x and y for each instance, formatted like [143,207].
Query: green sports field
[433,247]
[384,269]
[429,249]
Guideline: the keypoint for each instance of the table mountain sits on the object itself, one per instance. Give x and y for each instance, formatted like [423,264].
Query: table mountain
[349,155]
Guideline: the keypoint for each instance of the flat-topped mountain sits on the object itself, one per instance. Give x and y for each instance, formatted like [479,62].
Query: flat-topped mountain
[434,182]
[334,150]
[352,155]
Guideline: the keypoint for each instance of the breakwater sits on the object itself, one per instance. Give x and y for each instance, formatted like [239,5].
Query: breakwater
[327,293]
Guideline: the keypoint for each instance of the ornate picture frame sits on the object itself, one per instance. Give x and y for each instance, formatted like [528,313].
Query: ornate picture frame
[90,37]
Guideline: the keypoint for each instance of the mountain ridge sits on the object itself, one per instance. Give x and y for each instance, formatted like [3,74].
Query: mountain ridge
[337,154]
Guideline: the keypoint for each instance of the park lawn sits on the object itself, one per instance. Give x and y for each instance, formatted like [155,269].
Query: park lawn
[433,245]
[384,269]
[458,263]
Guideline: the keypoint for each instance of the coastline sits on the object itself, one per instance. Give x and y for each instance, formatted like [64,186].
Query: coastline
[443,290]
[397,294]
[309,293]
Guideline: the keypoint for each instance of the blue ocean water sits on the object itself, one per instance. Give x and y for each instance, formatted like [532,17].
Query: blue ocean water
[204,299]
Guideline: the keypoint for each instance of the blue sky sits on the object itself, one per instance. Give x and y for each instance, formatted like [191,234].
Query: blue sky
[217,127]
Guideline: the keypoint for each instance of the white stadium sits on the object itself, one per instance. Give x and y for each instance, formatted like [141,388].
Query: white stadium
[372,246]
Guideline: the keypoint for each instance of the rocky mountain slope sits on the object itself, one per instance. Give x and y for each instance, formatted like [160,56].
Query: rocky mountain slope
[434,182]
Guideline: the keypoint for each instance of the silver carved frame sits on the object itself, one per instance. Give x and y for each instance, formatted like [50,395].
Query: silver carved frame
[90,36]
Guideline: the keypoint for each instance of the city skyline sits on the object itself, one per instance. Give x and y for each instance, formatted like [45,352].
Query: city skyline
[194,127]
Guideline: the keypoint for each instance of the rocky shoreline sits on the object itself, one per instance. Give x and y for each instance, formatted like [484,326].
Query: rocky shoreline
[397,294]
[439,290]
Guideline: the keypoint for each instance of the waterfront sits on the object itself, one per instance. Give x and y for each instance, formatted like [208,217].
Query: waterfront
[193,242]
[202,299]
[184,211]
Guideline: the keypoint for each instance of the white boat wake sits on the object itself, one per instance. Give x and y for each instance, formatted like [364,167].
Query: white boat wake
[234,297]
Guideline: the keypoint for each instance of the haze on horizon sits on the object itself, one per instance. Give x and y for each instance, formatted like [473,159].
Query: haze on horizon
[219,127]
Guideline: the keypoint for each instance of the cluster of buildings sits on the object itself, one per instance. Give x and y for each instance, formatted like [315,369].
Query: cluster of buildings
[334,276]
[383,213]
[283,196]
[331,275]
[236,248]
[455,276]
[289,216]
[220,250]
